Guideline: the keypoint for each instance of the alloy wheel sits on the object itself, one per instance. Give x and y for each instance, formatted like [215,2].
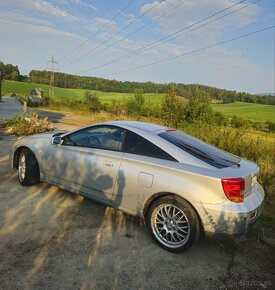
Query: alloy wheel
[170,225]
[22,167]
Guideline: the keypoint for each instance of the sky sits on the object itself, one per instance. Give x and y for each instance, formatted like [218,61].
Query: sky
[130,40]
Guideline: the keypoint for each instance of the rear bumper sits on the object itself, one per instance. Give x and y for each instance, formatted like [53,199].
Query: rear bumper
[232,219]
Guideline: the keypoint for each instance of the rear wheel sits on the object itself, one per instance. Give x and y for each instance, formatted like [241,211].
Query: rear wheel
[28,169]
[173,224]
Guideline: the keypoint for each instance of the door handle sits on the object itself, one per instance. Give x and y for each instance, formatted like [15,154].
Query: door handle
[109,164]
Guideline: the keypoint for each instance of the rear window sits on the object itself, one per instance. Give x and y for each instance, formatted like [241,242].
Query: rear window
[201,150]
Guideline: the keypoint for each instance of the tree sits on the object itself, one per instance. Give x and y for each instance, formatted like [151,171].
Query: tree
[198,109]
[93,102]
[136,103]
[173,107]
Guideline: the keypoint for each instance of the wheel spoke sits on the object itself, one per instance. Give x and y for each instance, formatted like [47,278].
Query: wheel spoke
[160,214]
[177,235]
[181,236]
[22,167]
[176,213]
[179,229]
[159,220]
[167,211]
[173,238]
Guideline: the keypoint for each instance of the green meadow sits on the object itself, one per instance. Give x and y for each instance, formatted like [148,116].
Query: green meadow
[62,94]
[254,112]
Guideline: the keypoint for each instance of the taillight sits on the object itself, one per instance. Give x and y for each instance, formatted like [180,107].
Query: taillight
[233,188]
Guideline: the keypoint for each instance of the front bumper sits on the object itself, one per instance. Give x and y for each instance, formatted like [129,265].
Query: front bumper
[232,219]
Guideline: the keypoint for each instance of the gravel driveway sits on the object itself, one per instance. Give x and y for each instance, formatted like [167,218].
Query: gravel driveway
[52,239]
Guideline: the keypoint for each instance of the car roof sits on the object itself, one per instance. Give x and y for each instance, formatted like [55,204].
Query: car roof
[149,127]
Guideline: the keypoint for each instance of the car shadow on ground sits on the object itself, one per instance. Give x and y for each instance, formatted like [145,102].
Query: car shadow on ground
[51,238]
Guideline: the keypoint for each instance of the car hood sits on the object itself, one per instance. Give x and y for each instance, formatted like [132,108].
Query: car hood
[41,136]
[44,135]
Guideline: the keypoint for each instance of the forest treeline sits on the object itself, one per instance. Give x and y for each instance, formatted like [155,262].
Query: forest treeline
[64,80]
[9,72]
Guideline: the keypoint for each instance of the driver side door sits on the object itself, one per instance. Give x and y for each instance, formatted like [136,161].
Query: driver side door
[87,161]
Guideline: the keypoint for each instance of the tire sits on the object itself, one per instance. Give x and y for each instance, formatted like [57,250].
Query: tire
[28,169]
[173,224]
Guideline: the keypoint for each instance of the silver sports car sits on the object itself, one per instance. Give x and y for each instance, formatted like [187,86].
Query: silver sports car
[178,183]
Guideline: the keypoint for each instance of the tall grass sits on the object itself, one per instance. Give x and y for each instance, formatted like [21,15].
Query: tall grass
[243,144]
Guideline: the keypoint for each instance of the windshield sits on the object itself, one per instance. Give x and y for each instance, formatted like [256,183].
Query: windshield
[201,150]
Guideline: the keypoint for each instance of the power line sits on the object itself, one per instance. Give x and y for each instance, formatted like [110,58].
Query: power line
[207,23]
[140,28]
[125,27]
[193,51]
[164,38]
[113,36]
[102,28]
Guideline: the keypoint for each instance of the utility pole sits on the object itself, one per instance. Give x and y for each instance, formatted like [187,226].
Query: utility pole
[51,64]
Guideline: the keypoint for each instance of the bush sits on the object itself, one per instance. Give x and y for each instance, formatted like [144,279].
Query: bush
[24,125]
[153,110]
[17,119]
[135,104]
[118,107]
[173,108]
[219,119]
[238,122]
[270,126]
[93,102]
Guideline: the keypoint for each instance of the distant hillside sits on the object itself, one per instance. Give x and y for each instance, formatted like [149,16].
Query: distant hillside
[254,112]
[68,81]
[267,94]
[64,80]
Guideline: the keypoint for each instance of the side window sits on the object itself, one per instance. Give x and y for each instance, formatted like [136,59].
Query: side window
[102,137]
[136,144]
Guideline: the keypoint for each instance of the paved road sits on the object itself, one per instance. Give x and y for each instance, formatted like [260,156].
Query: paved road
[9,108]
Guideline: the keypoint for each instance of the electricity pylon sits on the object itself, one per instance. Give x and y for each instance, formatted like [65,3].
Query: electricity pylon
[51,64]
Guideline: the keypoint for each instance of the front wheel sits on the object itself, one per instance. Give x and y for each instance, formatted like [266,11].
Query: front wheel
[173,224]
[28,169]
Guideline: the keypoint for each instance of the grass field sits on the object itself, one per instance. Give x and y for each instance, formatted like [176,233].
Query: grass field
[254,112]
[22,88]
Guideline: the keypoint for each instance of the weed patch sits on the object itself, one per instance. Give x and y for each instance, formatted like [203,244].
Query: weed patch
[26,125]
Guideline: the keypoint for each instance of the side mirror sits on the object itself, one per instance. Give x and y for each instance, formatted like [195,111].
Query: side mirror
[57,140]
